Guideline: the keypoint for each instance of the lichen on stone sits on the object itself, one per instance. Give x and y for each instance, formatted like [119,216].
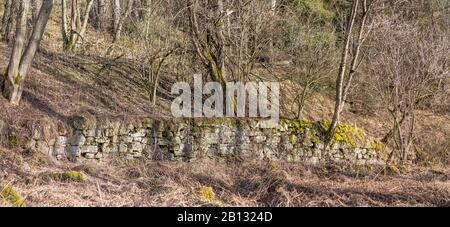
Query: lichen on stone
[348,135]
[13,140]
[301,129]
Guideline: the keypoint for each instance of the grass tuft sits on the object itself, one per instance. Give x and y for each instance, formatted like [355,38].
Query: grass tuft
[11,196]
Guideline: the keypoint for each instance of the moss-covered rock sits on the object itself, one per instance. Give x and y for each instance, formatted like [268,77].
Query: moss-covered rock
[308,133]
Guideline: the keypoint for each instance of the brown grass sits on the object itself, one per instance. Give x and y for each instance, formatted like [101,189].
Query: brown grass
[248,183]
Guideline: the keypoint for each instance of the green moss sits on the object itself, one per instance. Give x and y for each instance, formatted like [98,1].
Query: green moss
[315,139]
[18,80]
[10,195]
[68,176]
[323,125]
[347,134]
[195,129]
[86,168]
[13,140]
[298,127]
[207,193]
[315,132]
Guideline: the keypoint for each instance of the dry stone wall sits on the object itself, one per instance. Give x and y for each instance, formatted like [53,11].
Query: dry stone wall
[293,141]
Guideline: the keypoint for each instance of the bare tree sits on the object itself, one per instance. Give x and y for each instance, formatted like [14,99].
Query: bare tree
[35,7]
[350,60]
[6,14]
[119,16]
[77,27]
[97,14]
[22,56]
[406,73]
[9,20]
[208,43]
[116,17]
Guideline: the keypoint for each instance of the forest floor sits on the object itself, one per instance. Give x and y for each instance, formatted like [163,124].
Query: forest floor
[209,183]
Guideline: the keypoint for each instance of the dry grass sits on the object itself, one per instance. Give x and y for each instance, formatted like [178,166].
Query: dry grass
[229,184]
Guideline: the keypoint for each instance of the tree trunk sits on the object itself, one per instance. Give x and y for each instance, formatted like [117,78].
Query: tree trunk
[119,18]
[64,29]
[273,7]
[35,7]
[342,72]
[6,14]
[74,25]
[116,15]
[20,64]
[100,14]
[97,14]
[77,30]
[81,29]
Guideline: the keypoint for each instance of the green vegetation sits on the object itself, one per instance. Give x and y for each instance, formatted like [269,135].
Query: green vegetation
[13,140]
[18,80]
[316,8]
[315,132]
[11,196]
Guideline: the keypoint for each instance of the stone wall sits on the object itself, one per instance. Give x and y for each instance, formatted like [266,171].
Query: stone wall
[294,141]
